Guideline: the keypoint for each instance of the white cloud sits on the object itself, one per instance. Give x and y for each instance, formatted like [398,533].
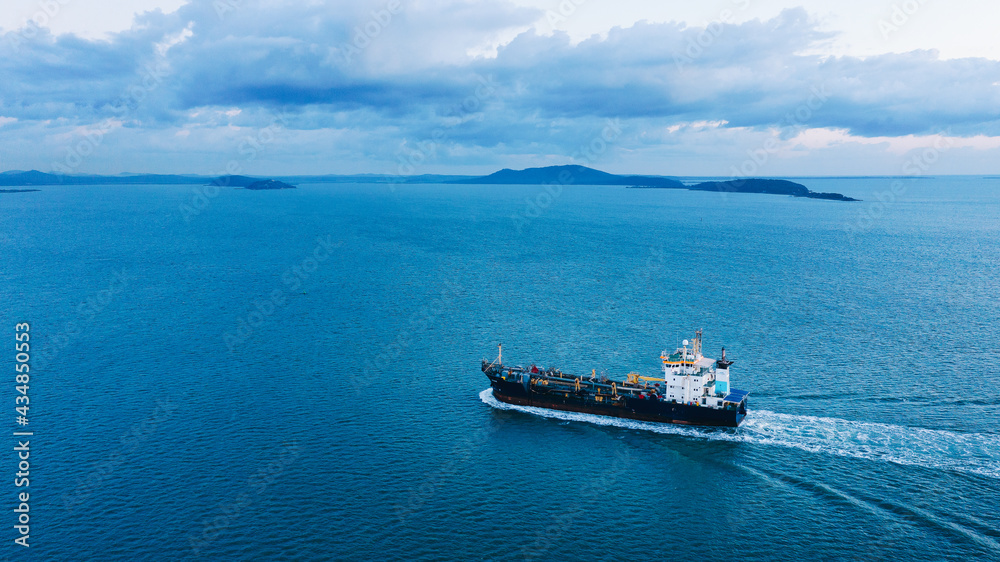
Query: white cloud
[85,18]
[497,88]
[826,138]
[955,31]
[696,125]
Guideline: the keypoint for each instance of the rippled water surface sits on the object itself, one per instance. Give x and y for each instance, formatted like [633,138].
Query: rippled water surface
[295,374]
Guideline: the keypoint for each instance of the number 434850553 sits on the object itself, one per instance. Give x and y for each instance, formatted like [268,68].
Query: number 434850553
[23,356]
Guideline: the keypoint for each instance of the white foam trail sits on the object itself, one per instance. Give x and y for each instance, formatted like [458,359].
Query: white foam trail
[974,453]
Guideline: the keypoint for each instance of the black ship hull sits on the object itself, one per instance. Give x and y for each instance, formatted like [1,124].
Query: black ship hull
[644,409]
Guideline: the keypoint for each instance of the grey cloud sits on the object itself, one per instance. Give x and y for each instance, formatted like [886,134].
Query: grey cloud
[410,77]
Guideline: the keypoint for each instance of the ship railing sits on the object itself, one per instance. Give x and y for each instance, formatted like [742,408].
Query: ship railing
[618,388]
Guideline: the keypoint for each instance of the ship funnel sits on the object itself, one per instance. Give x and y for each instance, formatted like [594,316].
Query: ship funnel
[723,363]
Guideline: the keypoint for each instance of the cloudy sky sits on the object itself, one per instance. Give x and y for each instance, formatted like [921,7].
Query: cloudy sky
[821,87]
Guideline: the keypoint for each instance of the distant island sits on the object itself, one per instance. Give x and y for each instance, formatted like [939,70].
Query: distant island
[233,181]
[566,175]
[776,187]
[18,190]
[247,182]
[34,177]
[582,175]
[552,175]
[269,184]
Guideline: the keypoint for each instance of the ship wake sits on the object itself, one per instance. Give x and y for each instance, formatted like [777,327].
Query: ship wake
[973,453]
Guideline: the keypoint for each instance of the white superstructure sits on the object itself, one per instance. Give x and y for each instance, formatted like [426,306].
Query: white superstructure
[692,378]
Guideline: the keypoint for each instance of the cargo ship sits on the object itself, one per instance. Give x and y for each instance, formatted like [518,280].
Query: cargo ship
[692,389]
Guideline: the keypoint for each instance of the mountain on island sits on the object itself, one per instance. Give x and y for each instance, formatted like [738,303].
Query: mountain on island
[247,182]
[270,184]
[568,175]
[582,175]
[34,177]
[777,187]
[550,175]
[233,181]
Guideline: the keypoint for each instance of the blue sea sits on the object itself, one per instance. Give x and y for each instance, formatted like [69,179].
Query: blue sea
[294,375]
